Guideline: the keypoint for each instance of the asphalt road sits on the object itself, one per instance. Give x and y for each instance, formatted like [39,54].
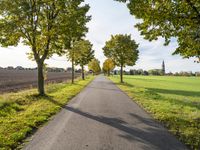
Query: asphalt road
[102,117]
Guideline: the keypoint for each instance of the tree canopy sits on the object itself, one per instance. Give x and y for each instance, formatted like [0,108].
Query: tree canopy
[83,53]
[167,19]
[74,24]
[74,29]
[94,66]
[122,50]
[108,66]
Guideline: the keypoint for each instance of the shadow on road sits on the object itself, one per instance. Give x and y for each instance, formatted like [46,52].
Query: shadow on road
[150,135]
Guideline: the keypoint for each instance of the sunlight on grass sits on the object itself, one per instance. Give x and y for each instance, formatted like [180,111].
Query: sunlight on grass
[174,101]
[22,112]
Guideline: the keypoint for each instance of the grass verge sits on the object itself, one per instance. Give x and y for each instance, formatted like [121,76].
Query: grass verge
[23,112]
[174,101]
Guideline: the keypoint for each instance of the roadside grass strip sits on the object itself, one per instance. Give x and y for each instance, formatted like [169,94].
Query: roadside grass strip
[174,101]
[23,112]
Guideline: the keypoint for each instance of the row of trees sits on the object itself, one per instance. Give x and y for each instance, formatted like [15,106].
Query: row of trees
[48,27]
[184,73]
[158,72]
[80,54]
[54,27]
[138,72]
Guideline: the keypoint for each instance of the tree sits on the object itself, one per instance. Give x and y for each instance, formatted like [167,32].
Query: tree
[155,72]
[37,24]
[122,50]
[84,54]
[94,66]
[75,28]
[108,66]
[167,19]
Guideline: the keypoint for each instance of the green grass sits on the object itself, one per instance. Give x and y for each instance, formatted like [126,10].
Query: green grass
[23,112]
[174,101]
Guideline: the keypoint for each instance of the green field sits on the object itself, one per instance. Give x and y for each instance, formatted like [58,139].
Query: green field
[23,112]
[174,101]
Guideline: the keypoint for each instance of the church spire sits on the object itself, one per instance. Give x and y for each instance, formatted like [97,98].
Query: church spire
[163,67]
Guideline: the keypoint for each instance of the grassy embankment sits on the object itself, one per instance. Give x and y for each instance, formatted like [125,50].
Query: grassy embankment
[174,101]
[23,112]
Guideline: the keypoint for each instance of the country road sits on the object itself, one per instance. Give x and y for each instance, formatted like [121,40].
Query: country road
[102,117]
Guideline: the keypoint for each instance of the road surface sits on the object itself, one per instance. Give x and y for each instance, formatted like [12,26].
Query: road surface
[102,117]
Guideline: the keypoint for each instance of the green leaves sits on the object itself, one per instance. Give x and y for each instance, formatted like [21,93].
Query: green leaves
[83,52]
[42,25]
[167,19]
[122,50]
[108,66]
[31,22]
[94,65]
[46,26]
[74,24]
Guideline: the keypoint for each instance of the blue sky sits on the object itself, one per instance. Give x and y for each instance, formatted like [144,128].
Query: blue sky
[110,17]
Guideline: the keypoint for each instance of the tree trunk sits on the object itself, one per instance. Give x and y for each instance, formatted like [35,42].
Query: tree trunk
[40,78]
[72,70]
[121,74]
[108,72]
[83,73]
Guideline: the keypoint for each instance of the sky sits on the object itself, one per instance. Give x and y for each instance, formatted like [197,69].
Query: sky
[109,18]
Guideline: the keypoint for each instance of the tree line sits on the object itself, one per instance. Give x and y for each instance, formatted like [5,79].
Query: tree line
[59,27]
[157,72]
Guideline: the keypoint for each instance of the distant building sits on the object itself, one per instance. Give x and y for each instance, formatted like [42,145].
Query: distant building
[163,68]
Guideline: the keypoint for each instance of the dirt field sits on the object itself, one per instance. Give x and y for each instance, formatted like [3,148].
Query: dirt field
[15,80]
